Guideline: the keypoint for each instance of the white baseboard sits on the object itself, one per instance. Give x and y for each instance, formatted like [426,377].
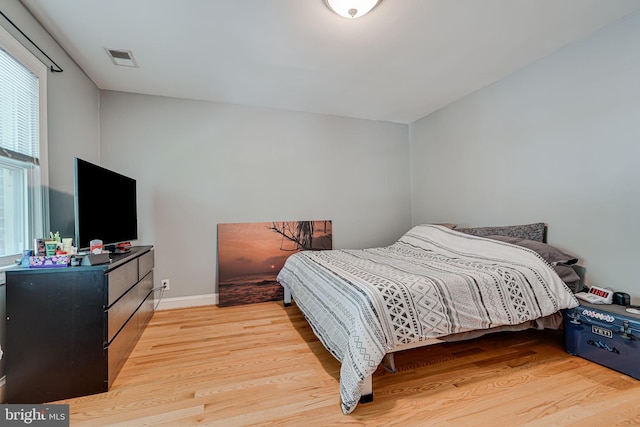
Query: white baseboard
[190,301]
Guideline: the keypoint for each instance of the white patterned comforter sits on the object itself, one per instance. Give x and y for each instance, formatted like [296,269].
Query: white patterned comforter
[432,282]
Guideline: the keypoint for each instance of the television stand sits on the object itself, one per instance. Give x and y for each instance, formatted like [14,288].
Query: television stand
[70,330]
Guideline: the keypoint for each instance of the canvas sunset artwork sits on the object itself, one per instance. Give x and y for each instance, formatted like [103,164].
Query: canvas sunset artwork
[250,256]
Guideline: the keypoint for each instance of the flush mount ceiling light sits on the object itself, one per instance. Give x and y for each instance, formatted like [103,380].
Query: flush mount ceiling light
[352,8]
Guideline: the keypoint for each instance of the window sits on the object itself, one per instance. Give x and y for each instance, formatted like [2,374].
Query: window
[23,149]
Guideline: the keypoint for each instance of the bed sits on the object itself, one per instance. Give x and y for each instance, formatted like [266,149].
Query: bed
[434,284]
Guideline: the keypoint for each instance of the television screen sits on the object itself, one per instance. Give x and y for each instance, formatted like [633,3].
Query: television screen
[105,205]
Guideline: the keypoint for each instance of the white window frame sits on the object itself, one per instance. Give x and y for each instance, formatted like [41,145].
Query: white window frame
[40,221]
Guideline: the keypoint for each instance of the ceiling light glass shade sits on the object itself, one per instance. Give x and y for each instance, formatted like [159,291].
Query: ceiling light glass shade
[352,8]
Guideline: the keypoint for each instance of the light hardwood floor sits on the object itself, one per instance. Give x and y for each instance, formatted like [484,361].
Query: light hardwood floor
[261,364]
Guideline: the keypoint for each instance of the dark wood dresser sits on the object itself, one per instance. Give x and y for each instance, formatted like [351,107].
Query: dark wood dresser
[70,330]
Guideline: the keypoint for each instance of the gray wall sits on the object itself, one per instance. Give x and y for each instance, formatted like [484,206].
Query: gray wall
[200,163]
[557,142]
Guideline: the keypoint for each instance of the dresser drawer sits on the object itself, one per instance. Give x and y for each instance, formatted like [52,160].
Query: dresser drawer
[145,294]
[120,280]
[145,264]
[120,348]
[145,286]
[120,312]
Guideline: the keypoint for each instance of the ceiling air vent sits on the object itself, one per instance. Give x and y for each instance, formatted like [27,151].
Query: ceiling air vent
[122,57]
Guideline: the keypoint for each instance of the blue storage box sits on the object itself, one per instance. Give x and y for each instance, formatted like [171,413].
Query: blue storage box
[605,334]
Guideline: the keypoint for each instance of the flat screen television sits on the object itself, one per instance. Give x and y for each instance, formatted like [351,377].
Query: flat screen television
[104,205]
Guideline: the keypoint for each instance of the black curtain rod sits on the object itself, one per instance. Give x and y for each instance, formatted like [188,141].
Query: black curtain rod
[53,70]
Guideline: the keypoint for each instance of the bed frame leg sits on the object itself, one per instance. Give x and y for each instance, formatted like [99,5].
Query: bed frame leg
[389,362]
[367,390]
[287,296]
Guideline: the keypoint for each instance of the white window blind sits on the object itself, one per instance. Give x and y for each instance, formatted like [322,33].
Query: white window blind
[19,110]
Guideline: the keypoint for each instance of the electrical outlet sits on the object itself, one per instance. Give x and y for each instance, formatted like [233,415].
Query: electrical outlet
[165,284]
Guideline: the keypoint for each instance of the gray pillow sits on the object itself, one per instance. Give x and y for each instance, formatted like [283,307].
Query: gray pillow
[568,276]
[551,254]
[536,231]
[559,260]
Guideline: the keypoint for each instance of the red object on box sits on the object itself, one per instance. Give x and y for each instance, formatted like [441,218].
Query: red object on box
[124,246]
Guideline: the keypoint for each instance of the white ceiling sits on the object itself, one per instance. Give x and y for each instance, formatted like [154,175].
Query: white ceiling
[404,60]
